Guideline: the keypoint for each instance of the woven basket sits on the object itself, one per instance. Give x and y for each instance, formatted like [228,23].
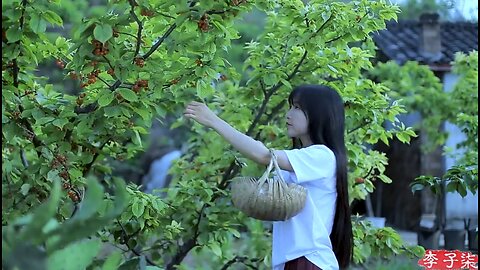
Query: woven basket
[270,199]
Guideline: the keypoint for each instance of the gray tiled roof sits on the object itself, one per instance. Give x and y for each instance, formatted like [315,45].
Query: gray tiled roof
[401,41]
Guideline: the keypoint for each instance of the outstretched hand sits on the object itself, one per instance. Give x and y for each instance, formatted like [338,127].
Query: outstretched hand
[200,113]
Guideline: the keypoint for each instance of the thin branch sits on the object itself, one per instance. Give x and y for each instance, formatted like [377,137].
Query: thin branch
[334,39]
[95,156]
[240,259]
[358,127]
[115,85]
[295,70]
[188,245]
[86,109]
[181,254]
[324,24]
[160,41]
[166,15]
[139,31]
[127,237]
[108,62]
[128,34]
[105,82]
[264,88]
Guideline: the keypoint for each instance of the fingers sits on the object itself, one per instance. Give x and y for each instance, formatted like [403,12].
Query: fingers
[195,104]
[189,115]
[193,109]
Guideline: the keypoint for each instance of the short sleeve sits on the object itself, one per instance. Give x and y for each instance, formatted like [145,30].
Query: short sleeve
[312,163]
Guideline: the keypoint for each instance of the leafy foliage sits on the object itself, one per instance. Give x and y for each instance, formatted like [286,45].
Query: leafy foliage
[464,114]
[147,59]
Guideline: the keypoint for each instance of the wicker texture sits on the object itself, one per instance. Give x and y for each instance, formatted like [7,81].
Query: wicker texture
[266,198]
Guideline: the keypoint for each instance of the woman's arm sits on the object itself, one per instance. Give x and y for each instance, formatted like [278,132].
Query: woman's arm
[247,146]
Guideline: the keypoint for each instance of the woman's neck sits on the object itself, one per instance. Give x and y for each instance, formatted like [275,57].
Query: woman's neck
[306,141]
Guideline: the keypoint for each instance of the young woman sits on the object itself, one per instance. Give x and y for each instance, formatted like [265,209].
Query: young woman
[320,236]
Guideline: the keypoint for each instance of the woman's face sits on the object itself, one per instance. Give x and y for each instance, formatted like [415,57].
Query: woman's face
[297,123]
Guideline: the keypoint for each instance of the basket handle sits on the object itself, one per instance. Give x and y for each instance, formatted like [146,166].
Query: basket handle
[275,163]
[264,177]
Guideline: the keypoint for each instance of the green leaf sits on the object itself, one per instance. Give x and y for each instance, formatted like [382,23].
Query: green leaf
[417,187]
[128,94]
[139,139]
[332,68]
[105,99]
[216,249]
[37,24]
[138,208]
[103,32]
[52,17]
[203,89]
[112,262]
[76,256]
[14,34]
[24,189]
[60,122]
[42,215]
[271,79]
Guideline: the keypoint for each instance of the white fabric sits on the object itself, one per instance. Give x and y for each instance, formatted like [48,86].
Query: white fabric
[308,233]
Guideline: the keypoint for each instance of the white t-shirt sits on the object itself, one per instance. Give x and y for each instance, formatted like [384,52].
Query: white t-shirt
[308,233]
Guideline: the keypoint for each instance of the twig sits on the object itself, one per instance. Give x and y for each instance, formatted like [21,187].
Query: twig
[106,83]
[127,237]
[188,245]
[324,24]
[95,156]
[243,260]
[139,31]
[128,34]
[160,41]
[358,127]
[108,62]
[166,15]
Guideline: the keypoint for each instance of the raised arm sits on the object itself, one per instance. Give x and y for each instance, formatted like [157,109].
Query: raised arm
[247,146]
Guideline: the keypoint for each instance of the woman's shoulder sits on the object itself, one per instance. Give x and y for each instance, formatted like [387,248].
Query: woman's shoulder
[320,149]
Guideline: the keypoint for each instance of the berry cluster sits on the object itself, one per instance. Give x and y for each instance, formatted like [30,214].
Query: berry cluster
[203,23]
[73,196]
[99,48]
[139,61]
[80,99]
[139,84]
[147,13]
[92,78]
[59,160]
[60,63]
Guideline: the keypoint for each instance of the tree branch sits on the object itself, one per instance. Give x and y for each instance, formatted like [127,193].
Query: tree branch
[139,31]
[127,237]
[187,246]
[324,24]
[106,83]
[88,167]
[241,260]
[160,41]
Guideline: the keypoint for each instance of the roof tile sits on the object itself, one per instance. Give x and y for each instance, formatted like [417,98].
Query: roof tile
[401,41]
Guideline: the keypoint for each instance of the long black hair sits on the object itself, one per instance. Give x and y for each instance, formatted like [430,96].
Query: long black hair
[325,114]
